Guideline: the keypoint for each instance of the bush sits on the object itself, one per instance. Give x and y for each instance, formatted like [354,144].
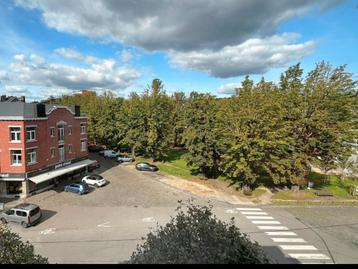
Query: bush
[14,251]
[197,236]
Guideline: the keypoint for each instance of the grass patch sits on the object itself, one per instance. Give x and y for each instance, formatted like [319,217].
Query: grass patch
[258,192]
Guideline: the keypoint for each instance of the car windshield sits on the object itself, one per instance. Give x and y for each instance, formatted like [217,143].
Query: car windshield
[34,211]
[96,177]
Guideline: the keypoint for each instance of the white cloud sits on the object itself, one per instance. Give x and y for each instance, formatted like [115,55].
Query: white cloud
[254,56]
[101,74]
[229,88]
[58,78]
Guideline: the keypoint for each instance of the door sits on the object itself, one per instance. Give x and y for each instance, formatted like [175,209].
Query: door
[61,151]
[11,215]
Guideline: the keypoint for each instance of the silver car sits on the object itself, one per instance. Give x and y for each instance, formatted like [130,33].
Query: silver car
[24,214]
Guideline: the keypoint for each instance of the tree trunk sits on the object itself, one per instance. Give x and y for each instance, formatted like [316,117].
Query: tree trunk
[133,151]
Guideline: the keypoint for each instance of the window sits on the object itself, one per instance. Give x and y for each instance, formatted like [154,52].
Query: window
[61,133]
[83,145]
[10,212]
[70,130]
[21,213]
[52,131]
[15,133]
[69,148]
[31,133]
[16,157]
[31,156]
[83,128]
[34,211]
[53,152]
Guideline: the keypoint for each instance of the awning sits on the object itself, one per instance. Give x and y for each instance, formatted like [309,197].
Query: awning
[11,179]
[61,171]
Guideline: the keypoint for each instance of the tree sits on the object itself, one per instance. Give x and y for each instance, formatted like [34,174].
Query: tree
[255,135]
[197,236]
[158,107]
[201,137]
[15,251]
[179,101]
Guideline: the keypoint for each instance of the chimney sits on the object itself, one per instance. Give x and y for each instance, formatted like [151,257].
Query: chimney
[41,110]
[77,111]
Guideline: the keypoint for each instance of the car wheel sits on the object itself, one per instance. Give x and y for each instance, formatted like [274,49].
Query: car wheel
[3,220]
[24,224]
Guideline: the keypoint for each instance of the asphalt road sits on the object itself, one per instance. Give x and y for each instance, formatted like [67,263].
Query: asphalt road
[106,225]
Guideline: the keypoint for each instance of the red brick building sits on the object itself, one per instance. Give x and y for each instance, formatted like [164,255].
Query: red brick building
[40,145]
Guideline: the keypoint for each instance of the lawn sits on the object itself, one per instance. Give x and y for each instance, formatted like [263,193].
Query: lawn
[339,188]
[174,164]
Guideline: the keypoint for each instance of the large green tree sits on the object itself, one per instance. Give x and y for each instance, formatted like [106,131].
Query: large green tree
[201,136]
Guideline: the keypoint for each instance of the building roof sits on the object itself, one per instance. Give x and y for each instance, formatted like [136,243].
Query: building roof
[21,110]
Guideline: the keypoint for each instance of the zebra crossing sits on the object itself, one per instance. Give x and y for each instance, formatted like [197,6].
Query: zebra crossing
[294,247]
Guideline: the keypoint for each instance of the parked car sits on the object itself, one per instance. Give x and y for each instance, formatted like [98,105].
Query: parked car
[25,214]
[95,180]
[80,188]
[146,167]
[124,158]
[94,166]
[95,148]
[110,154]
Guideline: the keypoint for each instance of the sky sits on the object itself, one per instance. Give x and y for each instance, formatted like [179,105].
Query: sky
[51,47]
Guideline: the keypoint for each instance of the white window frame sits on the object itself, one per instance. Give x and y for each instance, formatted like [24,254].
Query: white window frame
[83,127]
[32,139]
[61,130]
[52,131]
[17,163]
[33,156]
[83,148]
[17,134]
[69,129]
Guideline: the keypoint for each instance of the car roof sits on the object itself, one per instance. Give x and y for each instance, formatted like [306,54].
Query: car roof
[26,206]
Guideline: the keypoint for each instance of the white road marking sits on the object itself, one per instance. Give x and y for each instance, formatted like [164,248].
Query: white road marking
[317,263]
[309,256]
[149,219]
[273,228]
[281,233]
[259,217]
[248,209]
[231,211]
[298,247]
[289,240]
[48,231]
[254,213]
[104,225]
[265,222]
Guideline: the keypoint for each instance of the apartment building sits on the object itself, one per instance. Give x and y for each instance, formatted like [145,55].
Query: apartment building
[40,145]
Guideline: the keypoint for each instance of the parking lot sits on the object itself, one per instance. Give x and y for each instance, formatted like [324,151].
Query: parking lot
[105,225]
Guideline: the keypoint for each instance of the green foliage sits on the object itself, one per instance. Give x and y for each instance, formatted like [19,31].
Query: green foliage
[15,251]
[198,237]
[201,137]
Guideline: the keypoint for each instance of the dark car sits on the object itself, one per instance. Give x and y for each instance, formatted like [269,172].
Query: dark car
[80,188]
[94,166]
[146,167]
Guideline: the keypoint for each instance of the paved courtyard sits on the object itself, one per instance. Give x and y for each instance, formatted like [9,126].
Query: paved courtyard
[106,225]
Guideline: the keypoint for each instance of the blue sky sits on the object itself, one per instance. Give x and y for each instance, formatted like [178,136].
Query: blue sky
[51,48]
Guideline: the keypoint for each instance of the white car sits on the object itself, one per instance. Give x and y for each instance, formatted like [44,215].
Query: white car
[94,180]
[110,154]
